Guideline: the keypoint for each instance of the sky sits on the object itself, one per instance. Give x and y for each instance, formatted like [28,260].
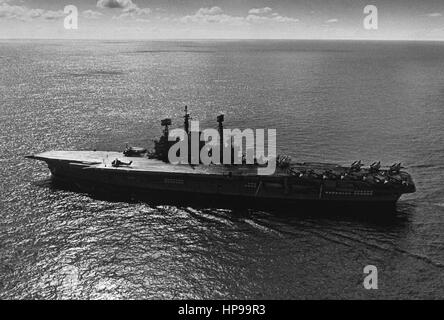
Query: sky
[222,19]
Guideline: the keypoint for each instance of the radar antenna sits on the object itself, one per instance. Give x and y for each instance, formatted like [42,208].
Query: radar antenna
[220,120]
[187,121]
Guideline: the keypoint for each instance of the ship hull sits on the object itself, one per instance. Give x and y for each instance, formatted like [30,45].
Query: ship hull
[159,197]
[146,179]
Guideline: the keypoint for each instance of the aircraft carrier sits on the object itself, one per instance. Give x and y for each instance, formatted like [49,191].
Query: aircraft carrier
[140,171]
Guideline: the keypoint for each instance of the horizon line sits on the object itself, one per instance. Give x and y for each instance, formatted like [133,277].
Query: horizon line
[223,39]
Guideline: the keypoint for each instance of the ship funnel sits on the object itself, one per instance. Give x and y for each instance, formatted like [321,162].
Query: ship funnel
[221,118]
[166,123]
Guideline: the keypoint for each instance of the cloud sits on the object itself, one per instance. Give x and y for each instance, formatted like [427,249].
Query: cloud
[209,11]
[53,15]
[434,14]
[90,14]
[260,10]
[216,15]
[279,18]
[274,18]
[212,15]
[25,14]
[332,21]
[128,7]
[115,4]
[133,13]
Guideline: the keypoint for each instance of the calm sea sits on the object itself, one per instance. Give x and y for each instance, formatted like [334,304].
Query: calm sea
[329,101]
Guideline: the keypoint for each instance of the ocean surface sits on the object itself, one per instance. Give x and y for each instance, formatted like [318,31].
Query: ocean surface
[329,101]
